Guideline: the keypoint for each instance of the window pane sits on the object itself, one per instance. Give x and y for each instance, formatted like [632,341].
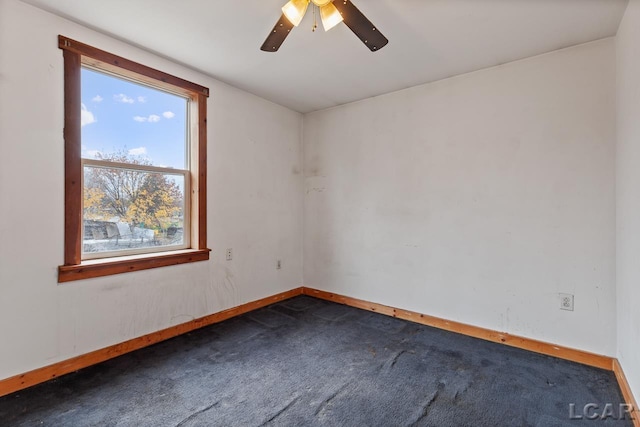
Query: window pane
[122,120]
[129,209]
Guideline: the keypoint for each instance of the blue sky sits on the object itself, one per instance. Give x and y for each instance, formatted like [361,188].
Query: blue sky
[118,115]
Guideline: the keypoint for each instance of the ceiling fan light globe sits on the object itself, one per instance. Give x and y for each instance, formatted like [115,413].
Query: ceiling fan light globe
[321,3]
[294,10]
[330,16]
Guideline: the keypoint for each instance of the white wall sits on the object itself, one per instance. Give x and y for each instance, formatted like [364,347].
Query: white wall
[254,206]
[628,194]
[477,198]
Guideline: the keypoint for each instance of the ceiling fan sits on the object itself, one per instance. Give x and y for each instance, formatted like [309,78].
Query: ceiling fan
[332,13]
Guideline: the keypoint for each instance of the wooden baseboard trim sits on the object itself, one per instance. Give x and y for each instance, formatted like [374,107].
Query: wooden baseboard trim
[626,392]
[37,376]
[604,362]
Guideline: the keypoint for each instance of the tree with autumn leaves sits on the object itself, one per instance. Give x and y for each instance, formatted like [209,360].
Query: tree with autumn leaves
[141,199]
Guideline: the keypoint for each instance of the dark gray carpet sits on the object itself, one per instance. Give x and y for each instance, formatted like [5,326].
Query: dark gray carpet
[308,362]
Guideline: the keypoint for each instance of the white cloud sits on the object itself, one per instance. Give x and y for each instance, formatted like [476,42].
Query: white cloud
[140,151]
[91,153]
[97,98]
[153,118]
[168,115]
[86,116]
[142,99]
[121,97]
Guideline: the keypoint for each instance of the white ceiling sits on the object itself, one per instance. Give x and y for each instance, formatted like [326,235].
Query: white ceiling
[428,40]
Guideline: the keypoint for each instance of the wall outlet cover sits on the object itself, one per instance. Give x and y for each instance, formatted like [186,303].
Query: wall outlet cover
[566,302]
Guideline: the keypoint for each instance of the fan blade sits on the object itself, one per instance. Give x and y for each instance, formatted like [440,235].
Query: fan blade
[280,32]
[360,25]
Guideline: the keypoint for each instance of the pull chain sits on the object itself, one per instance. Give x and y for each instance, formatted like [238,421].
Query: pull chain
[315,22]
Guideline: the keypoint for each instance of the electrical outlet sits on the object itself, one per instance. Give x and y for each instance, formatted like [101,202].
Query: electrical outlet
[566,302]
[229,254]
[278,265]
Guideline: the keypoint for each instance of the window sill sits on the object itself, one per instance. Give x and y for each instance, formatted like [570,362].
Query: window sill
[106,267]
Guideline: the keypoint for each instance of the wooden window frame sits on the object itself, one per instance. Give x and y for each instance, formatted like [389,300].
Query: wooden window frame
[75,55]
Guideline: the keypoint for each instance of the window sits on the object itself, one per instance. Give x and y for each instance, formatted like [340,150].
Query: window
[135,166]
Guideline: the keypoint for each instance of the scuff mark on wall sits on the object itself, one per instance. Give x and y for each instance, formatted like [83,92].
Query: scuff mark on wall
[226,290]
[316,190]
